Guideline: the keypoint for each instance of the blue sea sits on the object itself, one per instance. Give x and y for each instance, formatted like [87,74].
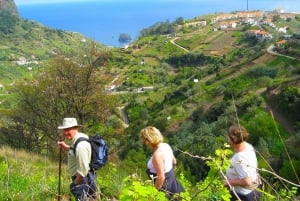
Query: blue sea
[104,21]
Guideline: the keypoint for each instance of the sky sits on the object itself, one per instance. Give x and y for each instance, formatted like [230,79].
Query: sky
[26,2]
[23,2]
[290,4]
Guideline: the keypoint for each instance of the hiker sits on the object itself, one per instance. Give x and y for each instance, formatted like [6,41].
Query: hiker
[83,185]
[160,165]
[242,175]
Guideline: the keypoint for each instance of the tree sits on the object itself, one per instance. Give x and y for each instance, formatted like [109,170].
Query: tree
[179,21]
[124,38]
[289,102]
[68,87]
[275,18]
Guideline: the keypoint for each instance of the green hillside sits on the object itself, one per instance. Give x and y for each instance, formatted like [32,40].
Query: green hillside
[191,78]
[27,45]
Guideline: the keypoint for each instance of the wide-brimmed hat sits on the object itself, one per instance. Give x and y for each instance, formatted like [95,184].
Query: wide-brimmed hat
[69,123]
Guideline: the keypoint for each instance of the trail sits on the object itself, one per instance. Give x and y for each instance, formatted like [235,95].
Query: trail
[174,43]
[271,51]
[278,117]
[284,122]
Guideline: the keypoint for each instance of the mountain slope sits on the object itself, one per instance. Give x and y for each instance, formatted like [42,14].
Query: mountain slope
[192,95]
[26,45]
[9,6]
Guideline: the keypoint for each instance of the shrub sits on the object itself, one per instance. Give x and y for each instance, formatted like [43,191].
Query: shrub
[263,71]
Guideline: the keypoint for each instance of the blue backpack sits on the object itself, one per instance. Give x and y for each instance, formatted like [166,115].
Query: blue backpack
[99,151]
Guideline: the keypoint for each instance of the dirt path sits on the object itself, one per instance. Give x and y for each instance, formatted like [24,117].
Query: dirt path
[270,51]
[282,121]
[174,43]
[277,116]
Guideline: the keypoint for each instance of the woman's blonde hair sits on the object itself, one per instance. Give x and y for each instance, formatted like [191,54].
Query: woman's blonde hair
[151,135]
[237,134]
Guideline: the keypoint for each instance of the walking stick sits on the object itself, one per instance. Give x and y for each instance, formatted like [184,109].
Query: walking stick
[59,172]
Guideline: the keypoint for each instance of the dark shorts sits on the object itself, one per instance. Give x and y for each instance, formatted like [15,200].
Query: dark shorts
[253,196]
[87,188]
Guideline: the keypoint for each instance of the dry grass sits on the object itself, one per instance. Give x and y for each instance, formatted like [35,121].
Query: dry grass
[221,44]
[16,154]
[35,174]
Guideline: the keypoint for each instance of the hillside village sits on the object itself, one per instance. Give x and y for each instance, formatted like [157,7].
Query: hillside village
[229,21]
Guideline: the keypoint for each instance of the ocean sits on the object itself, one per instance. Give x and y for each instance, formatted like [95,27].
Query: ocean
[104,21]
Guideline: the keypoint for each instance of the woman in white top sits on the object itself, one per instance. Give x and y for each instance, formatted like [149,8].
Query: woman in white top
[160,165]
[242,175]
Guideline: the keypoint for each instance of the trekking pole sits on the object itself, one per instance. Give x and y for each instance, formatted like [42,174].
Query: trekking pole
[59,172]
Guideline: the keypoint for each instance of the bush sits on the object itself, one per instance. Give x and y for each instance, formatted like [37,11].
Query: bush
[263,72]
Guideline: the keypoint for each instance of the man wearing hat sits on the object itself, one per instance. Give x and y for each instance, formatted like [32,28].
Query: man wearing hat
[83,185]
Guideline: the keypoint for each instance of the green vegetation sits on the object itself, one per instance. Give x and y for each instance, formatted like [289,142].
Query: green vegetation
[33,177]
[192,95]
[28,177]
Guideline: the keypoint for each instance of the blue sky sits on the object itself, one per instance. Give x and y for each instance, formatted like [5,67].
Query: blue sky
[290,5]
[24,2]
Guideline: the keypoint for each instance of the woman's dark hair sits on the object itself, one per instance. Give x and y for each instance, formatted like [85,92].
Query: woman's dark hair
[237,134]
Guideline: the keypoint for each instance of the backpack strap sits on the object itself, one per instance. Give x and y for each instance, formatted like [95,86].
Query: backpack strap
[77,142]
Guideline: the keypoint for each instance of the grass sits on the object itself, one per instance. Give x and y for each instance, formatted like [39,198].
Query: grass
[27,176]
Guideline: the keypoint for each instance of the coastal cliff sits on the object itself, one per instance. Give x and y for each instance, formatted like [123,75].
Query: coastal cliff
[10,6]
